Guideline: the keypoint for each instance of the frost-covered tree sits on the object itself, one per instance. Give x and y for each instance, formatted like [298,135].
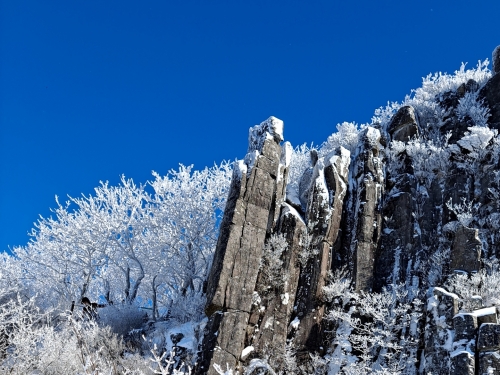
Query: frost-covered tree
[479,289]
[375,331]
[347,136]
[124,244]
[271,271]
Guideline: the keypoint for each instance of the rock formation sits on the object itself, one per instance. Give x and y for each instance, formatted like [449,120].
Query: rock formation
[256,188]
[399,210]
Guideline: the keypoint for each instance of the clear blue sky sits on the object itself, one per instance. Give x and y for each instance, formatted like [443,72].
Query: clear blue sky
[91,90]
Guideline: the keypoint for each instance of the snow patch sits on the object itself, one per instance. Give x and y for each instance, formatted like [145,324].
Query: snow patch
[446,293]
[295,323]
[269,323]
[256,300]
[289,210]
[276,127]
[240,168]
[286,154]
[462,315]
[285,298]
[188,340]
[246,352]
[272,128]
[250,160]
[460,351]
[485,311]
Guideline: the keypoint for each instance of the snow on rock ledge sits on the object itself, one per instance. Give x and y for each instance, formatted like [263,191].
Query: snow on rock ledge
[269,129]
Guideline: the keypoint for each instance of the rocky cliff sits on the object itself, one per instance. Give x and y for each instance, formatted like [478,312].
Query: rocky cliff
[409,213]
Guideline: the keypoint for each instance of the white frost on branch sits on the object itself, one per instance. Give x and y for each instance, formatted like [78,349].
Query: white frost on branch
[477,138]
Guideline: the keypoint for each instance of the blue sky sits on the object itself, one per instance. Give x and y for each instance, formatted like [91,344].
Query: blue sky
[91,90]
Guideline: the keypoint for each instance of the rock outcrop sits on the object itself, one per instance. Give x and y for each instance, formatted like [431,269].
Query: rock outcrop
[441,309]
[496,60]
[250,311]
[323,216]
[466,250]
[249,216]
[404,125]
[490,93]
[402,209]
[366,197]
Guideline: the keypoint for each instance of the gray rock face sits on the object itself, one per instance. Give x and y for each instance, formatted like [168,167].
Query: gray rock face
[442,307]
[324,212]
[465,326]
[466,250]
[399,237]
[368,178]
[489,363]
[463,363]
[247,217]
[404,125]
[268,326]
[244,309]
[496,60]
[489,337]
[385,225]
[490,93]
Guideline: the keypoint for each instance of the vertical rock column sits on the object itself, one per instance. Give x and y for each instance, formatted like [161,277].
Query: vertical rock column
[323,215]
[367,190]
[249,215]
[399,241]
[268,325]
[463,355]
[490,92]
[489,349]
[439,333]
[466,250]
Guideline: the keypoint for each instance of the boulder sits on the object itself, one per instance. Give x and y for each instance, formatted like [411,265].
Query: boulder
[404,125]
